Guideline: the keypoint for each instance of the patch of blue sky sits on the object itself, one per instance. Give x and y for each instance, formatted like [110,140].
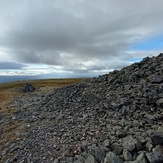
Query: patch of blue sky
[136,60]
[155,43]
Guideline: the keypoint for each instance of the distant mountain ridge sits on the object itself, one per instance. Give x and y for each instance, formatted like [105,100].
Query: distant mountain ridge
[5,79]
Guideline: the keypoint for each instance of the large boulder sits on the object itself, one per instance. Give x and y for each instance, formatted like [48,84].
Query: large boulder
[112,158]
[157,138]
[130,143]
[154,157]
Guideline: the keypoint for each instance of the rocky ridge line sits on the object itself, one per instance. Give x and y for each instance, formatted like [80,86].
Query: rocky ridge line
[117,117]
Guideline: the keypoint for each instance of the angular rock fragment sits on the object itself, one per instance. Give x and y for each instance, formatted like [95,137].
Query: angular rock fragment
[156,78]
[158,149]
[142,158]
[90,159]
[120,133]
[154,157]
[117,148]
[112,158]
[130,143]
[127,155]
[107,143]
[157,138]
[159,102]
[99,154]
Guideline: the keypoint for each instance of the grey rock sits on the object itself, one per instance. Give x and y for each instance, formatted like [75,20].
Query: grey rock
[149,146]
[159,102]
[80,159]
[145,59]
[112,158]
[77,161]
[8,161]
[157,138]
[149,132]
[69,160]
[131,143]
[160,55]
[125,110]
[154,157]
[57,160]
[127,155]
[131,162]
[120,133]
[99,154]
[107,143]
[90,159]
[141,158]
[158,149]
[160,129]
[117,148]
[156,78]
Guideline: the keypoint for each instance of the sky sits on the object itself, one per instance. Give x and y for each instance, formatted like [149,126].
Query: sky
[77,38]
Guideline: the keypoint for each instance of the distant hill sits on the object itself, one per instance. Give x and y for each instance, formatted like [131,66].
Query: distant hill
[4,79]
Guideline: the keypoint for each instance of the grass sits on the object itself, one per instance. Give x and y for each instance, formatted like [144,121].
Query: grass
[8,90]
[10,130]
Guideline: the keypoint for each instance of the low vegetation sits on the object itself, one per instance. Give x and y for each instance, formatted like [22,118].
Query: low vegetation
[8,90]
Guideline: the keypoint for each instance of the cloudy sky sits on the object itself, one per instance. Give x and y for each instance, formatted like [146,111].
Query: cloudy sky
[77,37]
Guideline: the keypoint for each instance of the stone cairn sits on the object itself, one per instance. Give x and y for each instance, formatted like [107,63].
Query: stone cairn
[27,88]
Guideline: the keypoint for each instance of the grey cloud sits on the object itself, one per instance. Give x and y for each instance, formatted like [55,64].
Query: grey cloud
[51,58]
[11,65]
[26,56]
[47,57]
[42,31]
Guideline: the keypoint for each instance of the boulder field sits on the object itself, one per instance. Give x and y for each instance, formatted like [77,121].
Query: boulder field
[115,118]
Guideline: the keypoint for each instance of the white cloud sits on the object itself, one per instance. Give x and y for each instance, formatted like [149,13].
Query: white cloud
[33,70]
[77,36]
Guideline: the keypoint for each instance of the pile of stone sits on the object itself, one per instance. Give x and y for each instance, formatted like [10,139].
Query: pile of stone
[27,88]
[115,118]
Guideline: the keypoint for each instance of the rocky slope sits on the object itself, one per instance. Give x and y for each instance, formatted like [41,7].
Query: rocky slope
[117,117]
